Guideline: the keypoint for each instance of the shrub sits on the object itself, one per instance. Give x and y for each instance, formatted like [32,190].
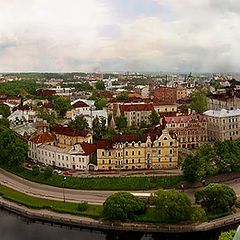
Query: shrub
[227,235]
[216,198]
[35,170]
[82,206]
[122,205]
[48,172]
[172,205]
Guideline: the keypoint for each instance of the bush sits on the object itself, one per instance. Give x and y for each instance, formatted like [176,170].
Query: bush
[48,171]
[216,198]
[227,235]
[35,170]
[83,206]
[172,205]
[122,205]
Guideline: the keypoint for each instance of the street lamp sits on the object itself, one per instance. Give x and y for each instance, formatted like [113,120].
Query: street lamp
[64,178]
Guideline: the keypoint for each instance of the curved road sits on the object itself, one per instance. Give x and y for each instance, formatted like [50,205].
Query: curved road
[72,195]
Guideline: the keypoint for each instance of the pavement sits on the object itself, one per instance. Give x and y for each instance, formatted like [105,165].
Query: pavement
[71,195]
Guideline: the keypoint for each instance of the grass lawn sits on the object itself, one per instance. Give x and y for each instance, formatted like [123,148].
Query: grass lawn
[93,211]
[100,183]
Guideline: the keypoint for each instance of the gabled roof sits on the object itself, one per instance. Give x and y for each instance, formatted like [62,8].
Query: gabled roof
[80,104]
[43,138]
[88,148]
[66,130]
[184,119]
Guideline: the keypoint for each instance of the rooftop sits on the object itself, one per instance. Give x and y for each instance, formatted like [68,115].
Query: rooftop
[222,113]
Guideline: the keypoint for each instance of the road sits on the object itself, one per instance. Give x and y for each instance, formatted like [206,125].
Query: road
[72,195]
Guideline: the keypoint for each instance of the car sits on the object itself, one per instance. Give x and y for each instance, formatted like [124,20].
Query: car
[28,165]
[67,173]
[55,171]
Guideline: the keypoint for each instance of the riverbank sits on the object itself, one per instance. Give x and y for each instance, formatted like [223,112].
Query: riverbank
[85,222]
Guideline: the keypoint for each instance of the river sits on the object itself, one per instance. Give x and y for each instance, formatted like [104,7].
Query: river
[15,227]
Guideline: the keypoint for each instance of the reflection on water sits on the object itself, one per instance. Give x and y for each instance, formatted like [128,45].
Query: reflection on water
[14,227]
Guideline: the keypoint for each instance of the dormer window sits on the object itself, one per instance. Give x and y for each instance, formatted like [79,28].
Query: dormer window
[165,139]
[126,144]
[133,144]
[139,144]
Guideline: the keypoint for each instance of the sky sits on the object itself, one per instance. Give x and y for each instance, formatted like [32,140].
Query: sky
[120,35]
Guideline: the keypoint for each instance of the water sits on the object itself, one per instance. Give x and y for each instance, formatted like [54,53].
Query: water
[14,227]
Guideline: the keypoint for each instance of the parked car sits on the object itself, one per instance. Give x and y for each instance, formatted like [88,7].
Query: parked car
[55,171]
[67,173]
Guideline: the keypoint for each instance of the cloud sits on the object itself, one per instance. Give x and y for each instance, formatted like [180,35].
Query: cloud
[126,35]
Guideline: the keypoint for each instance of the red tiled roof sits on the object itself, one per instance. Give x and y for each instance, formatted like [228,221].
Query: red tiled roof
[48,105]
[80,104]
[103,144]
[88,148]
[62,130]
[136,107]
[43,138]
[184,118]
[126,138]
[22,108]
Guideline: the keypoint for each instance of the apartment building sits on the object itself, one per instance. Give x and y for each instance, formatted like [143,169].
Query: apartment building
[152,150]
[191,130]
[223,124]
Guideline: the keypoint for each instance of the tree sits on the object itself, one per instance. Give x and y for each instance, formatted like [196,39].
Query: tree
[99,128]
[123,96]
[62,105]
[80,123]
[227,235]
[154,118]
[4,111]
[199,101]
[122,205]
[13,150]
[121,122]
[4,122]
[143,124]
[100,85]
[50,117]
[201,165]
[100,103]
[172,205]
[35,170]
[216,198]
[48,172]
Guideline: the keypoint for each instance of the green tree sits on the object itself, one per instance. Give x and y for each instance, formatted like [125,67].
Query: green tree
[227,235]
[172,205]
[100,103]
[143,124]
[13,150]
[122,205]
[100,85]
[4,111]
[199,101]
[35,170]
[154,118]
[62,105]
[133,126]
[4,122]
[48,171]
[201,165]
[123,96]
[99,128]
[121,122]
[50,117]
[216,198]
[80,123]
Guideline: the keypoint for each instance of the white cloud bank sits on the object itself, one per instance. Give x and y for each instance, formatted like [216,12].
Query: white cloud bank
[75,35]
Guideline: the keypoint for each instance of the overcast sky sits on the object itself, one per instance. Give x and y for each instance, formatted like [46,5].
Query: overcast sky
[120,35]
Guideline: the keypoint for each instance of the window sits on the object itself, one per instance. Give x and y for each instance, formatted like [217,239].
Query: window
[159,144]
[109,161]
[133,144]
[126,153]
[139,144]
[119,154]
[58,156]
[170,159]
[159,151]
[127,161]
[103,154]
[132,160]
[148,155]
[139,152]
[133,153]
[165,139]
[139,160]
[109,154]
[103,162]
[170,143]
[159,159]
[67,158]
[170,151]
[126,144]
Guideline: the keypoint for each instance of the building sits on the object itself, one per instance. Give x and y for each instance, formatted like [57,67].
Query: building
[166,94]
[136,112]
[191,130]
[66,136]
[42,148]
[223,124]
[163,107]
[152,150]
[78,106]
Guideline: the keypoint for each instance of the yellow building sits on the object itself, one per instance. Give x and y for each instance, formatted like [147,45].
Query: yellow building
[154,149]
[67,136]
